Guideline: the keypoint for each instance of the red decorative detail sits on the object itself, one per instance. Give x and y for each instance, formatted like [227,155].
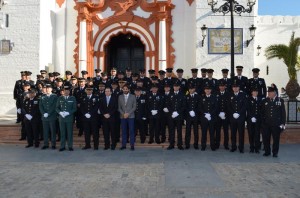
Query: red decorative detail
[190,2]
[60,2]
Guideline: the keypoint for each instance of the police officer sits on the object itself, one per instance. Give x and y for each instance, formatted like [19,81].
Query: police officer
[254,120]
[154,108]
[58,86]
[225,80]
[89,106]
[97,79]
[241,80]
[182,81]
[273,121]
[192,113]
[67,80]
[222,115]
[195,81]
[208,107]
[108,108]
[79,93]
[146,80]
[84,74]
[237,105]
[210,81]
[47,107]
[128,76]
[165,119]
[66,107]
[176,107]
[32,118]
[161,76]
[140,114]
[17,90]
[113,74]
[169,79]
[258,83]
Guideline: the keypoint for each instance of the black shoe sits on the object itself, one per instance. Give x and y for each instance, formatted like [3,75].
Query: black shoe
[163,140]
[62,149]
[275,155]
[203,148]
[142,141]
[180,148]
[123,148]
[213,149]
[251,150]
[157,142]
[29,145]
[96,148]
[257,151]
[150,142]
[170,147]
[80,134]
[45,147]
[112,148]
[266,154]
[187,147]
[86,147]
[22,139]
[18,121]
[71,149]
[226,147]
[58,140]
[217,147]
[232,150]
[53,147]
[196,147]
[132,148]
[36,146]
[105,148]
[241,151]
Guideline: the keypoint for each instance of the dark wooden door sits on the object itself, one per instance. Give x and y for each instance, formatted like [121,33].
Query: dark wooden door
[125,51]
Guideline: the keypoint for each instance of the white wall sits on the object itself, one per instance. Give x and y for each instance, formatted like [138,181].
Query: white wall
[24,31]
[274,30]
[204,16]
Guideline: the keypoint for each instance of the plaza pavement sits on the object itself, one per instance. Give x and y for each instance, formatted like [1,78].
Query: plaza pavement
[147,172]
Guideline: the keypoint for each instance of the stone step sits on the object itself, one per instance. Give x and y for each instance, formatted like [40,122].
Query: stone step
[10,134]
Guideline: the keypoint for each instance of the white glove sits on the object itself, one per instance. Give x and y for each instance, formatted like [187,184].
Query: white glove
[175,114]
[144,118]
[19,111]
[98,112]
[282,127]
[28,116]
[222,115]
[236,115]
[62,114]
[46,115]
[87,115]
[207,116]
[166,110]
[253,119]
[66,113]
[192,113]
[153,112]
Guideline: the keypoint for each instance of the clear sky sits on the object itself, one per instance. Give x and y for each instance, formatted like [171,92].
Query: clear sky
[279,7]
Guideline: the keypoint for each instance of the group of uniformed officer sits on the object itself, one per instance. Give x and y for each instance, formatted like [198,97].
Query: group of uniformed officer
[163,101]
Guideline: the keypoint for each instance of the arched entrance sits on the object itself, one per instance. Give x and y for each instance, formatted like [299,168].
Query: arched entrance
[125,50]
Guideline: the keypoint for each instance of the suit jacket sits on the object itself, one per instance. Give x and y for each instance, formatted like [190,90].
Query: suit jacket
[177,103]
[192,104]
[141,108]
[273,113]
[69,105]
[237,104]
[129,107]
[48,105]
[254,108]
[111,108]
[260,84]
[154,103]
[32,107]
[208,105]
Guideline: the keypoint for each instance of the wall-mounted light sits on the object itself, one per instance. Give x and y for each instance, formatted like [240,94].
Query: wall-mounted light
[204,33]
[6,46]
[252,34]
[258,50]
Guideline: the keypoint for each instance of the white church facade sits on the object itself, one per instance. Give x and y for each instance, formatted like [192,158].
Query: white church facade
[75,35]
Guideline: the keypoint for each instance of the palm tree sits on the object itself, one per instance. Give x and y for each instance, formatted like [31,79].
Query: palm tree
[289,54]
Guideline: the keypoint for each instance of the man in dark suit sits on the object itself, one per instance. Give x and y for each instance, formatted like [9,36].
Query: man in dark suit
[208,107]
[89,109]
[222,115]
[258,83]
[97,79]
[176,107]
[225,80]
[169,79]
[254,120]
[18,89]
[273,121]
[166,117]
[154,108]
[182,81]
[195,81]
[210,81]
[108,108]
[237,105]
[192,113]
[79,93]
[126,108]
[140,114]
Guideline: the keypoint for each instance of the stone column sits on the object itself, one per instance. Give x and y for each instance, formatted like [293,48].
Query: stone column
[162,55]
[82,46]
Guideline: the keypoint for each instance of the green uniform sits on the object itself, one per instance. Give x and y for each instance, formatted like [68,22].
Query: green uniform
[66,104]
[47,107]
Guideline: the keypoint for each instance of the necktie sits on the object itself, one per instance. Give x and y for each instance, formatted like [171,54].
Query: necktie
[126,98]
[192,95]
[107,100]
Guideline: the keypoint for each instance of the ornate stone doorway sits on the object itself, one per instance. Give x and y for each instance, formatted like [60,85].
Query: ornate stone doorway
[125,50]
